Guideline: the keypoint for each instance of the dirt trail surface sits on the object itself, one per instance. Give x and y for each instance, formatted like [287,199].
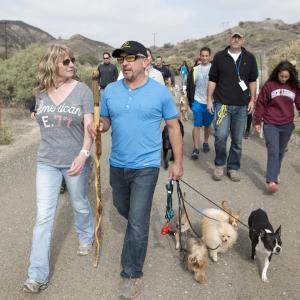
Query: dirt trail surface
[234,276]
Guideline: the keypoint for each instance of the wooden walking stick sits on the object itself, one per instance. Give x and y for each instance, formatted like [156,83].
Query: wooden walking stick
[98,206]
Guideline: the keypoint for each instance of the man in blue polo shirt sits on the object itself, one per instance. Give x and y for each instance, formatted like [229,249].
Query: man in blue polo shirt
[134,108]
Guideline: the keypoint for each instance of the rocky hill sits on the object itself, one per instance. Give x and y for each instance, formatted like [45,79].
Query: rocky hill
[261,38]
[20,35]
[82,45]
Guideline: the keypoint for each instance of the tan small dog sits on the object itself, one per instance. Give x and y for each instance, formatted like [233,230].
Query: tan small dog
[185,227]
[233,216]
[218,236]
[183,108]
[219,229]
[228,215]
[197,259]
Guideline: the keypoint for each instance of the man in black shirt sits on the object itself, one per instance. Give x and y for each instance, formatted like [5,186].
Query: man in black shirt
[232,85]
[108,72]
[163,69]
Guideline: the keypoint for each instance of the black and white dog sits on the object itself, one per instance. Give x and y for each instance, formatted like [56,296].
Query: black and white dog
[166,144]
[263,236]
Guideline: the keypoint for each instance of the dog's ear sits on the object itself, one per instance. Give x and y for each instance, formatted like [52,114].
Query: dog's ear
[278,231]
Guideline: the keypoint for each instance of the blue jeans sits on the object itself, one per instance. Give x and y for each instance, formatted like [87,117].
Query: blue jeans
[132,196]
[48,182]
[234,122]
[277,138]
[183,79]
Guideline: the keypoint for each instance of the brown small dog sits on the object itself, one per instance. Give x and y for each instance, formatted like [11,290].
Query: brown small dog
[233,216]
[185,228]
[197,258]
[183,108]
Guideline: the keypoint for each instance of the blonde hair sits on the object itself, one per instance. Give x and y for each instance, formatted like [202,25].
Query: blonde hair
[48,66]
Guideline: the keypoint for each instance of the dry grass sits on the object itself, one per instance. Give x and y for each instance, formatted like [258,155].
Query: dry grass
[5,135]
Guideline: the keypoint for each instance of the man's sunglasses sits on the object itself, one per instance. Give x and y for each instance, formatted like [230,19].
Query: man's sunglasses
[106,57]
[129,58]
[67,61]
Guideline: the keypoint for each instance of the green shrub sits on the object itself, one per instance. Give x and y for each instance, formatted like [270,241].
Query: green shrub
[290,52]
[18,74]
[88,58]
[5,135]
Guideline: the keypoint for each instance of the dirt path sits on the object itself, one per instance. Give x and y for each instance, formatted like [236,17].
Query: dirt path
[234,276]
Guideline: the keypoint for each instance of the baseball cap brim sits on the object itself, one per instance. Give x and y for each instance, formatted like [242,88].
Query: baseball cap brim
[117,52]
[238,33]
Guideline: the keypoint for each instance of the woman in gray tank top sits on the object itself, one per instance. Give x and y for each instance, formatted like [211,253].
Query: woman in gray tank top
[64,109]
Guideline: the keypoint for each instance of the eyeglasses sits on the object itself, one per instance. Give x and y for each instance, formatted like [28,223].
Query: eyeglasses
[67,61]
[106,57]
[129,58]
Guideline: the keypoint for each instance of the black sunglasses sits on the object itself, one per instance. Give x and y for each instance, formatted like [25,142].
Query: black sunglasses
[106,57]
[129,58]
[67,61]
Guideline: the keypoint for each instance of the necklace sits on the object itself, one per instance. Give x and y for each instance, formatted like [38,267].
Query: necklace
[60,85]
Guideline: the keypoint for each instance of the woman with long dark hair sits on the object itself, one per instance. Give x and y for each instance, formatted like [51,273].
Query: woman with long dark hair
[275,108]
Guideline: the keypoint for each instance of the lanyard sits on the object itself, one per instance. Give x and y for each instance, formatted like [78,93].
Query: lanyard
[237,67]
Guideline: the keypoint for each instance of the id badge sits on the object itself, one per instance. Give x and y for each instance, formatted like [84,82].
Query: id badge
[243,85]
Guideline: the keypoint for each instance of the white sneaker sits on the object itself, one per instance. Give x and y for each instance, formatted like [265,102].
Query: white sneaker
[34,287]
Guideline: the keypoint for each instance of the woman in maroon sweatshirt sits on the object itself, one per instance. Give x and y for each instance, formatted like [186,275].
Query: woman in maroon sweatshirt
[275,108]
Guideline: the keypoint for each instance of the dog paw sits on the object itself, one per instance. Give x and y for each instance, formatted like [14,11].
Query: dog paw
[264,279]
[214,258]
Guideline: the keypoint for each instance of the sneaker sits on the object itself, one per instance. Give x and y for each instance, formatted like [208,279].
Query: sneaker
[131,288]
[32,286]
[234,175]
[218,173]
[272,187]
[84,249]
[195,153]
[205,147]
[246,135]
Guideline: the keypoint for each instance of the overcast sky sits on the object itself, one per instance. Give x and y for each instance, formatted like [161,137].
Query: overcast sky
[114,22]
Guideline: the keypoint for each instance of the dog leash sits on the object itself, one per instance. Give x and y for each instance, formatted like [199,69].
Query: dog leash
[169,210]
[181,206]
[181,201]
[211,201]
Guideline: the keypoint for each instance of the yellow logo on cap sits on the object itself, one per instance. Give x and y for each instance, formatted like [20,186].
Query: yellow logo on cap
[125,45]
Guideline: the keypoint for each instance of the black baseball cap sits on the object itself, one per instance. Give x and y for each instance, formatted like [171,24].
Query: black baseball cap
[130,47]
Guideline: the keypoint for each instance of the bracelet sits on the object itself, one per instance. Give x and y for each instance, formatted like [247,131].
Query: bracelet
[85,152]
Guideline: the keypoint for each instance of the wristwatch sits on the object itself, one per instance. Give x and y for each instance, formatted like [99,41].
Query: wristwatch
[85,152]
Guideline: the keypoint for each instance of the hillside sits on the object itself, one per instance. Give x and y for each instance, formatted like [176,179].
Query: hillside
[262,38]
[20,35]
[82,45]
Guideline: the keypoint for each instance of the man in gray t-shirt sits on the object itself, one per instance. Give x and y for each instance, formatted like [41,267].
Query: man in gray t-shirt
[199,106]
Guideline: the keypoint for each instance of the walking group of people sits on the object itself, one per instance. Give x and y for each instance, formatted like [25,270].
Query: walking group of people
[224,92]
[133,108]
